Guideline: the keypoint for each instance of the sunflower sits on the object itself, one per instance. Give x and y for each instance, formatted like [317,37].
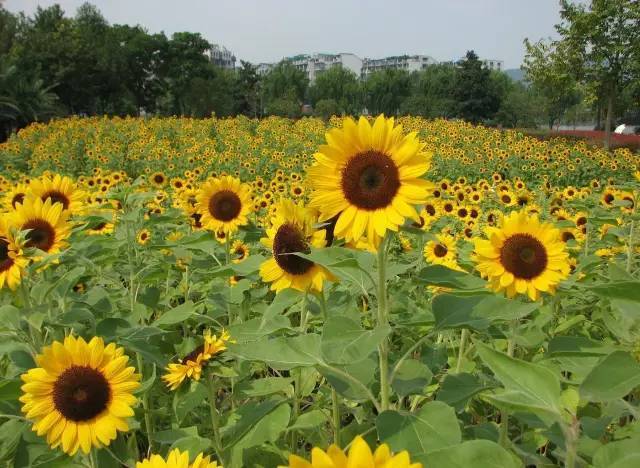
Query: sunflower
[60,189]
[177,459]
[158,179]
[14,196]
[370,177]
[81,394]
[240,251]
[359,455]
[522,256]
[292,230]
[224,204]
[441,251]
[143,236]
[191,365]
[46,223]
[12,260]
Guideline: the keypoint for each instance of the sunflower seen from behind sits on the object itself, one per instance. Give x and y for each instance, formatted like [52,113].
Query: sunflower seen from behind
[178,459]
[359,455]
[81,394]
[46,222]
[370,177]
[224,204]
[293,231]
[522,256]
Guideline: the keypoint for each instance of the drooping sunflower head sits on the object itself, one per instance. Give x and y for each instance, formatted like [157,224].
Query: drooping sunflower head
[369,176]
[239,251]
[359,455]
[292,231]
[12,259]
[522,256]
[81,393]
[178,459]
[46,223]
[192,364]
[59,189]
[224,204]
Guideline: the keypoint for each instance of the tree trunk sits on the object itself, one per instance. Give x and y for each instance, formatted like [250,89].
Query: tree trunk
[607,124]
[599,115]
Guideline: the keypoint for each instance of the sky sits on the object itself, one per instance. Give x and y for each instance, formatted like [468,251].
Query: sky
[268,30]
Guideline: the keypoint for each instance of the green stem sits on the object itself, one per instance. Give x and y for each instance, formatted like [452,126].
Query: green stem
[571,434]
[383,320]
[630,247]
[323,304]
[503,435]
[215,417]
[227,251]
[335,406]
[148,422]
[464,336]
[356,382]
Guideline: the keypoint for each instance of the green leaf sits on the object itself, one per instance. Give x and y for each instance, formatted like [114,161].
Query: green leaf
[478,311]
[176,315]
[10,317]
[434,427]
[529,387]
[457,389]
[614,377]
[439,275]
[618,454]
[148,383]
[577,346]
[344,341]
[192,444]
[281,353]
[256,328]
[312,420]
[473,453]
[264,387]
[10,389]
[363,372]
[411,378]
[283,299]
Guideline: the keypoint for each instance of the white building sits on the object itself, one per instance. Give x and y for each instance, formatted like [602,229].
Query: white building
[222,57]
[264,68]
[492,64]
[316,64]
[409,63]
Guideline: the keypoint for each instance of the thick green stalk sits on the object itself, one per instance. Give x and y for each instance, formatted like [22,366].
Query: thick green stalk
[146,406]
[215,417]
[464,336]
[227,250]
[383,320]
[335,407]
[503,435]
[630,247]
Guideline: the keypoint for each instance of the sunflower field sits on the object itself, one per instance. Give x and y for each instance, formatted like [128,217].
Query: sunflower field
[362,293]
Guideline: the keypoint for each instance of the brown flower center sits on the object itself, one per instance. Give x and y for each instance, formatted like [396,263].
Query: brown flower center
[524,256]
[287,241]
[370,180]
[17,198]
[41,235]
[81,393]
[440,250]
[56,197]
[225,205]
[6,262]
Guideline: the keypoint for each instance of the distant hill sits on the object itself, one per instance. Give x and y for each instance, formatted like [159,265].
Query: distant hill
[515,74]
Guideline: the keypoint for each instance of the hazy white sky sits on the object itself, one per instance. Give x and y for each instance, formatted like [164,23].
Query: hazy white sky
[267,30]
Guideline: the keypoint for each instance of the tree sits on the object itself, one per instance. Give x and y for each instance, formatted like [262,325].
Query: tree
[431,92]
[546,67]
[477,99]
[247,90]
[386,90]
[605,44]
[285,83]
[340,86]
